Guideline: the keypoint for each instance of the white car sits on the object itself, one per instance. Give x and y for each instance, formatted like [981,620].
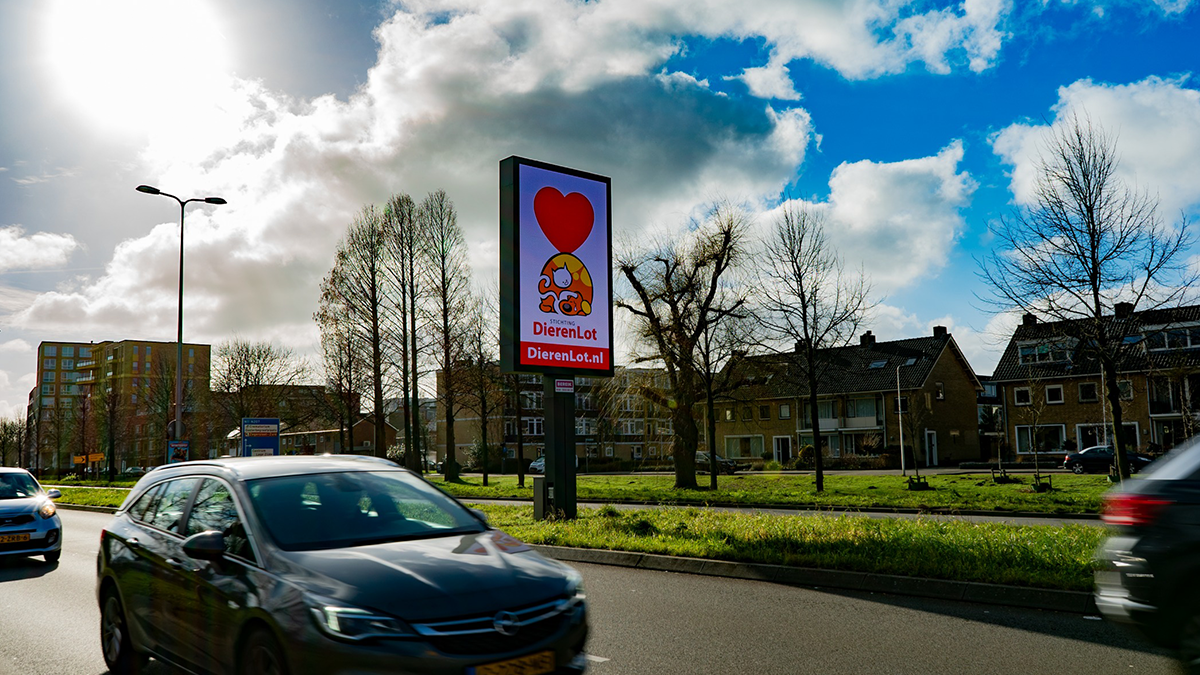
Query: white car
[29,523]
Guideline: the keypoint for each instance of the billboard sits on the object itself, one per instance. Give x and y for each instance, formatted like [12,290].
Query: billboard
[555,269]
[260,436]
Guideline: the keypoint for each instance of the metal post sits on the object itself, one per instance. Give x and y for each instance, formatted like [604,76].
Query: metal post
[179,341]
[900,424]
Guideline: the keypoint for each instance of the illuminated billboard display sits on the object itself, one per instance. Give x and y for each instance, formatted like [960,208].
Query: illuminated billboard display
[555,269]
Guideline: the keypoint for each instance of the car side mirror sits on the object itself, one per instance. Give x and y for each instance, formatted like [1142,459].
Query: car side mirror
[53,493]
[205,545]
[481,515]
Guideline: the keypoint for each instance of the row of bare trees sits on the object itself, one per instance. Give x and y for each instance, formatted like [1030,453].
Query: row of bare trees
[396,304]
[1086,243]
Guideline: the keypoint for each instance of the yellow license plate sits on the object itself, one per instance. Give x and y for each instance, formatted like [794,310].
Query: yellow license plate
[13,538]
[533,664]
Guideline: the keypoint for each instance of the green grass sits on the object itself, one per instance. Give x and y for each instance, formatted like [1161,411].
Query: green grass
[975,492]
[1037,556]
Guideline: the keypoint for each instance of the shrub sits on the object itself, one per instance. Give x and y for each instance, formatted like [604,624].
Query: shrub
[772,465]
[806,457]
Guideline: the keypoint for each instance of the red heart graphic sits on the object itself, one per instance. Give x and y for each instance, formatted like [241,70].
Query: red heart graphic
[566,221]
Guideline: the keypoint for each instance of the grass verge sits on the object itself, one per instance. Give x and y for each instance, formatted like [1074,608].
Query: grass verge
[1035,556]
[973,492]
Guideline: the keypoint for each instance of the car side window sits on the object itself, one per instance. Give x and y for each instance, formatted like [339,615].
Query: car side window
[168,511]
[145,503]
[215,510]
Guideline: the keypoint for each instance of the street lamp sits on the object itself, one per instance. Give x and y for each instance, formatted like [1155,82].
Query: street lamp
[151,190]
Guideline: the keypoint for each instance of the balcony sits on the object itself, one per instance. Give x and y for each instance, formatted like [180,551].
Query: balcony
[861,422]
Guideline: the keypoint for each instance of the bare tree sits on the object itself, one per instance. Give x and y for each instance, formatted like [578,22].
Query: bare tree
[811,302]
[720,349]
[676,299]
[9,441]
[342,356]
[448,278]
[257,379]
[358,279]
[480,374]
[1087,243]
[1031,413]
[404,293]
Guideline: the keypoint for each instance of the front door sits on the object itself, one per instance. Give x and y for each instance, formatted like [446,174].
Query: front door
[931,449]
[783,449]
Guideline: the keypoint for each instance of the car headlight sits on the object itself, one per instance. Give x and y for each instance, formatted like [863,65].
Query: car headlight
[47,510]
[575,583]
[352,623]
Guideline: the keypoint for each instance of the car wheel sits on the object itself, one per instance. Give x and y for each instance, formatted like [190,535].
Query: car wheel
[261,655]
[53,556]
[1078,468]
[115,644]
[1189,643]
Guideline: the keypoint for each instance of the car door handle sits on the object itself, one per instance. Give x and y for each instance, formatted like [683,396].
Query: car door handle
[180,565]
[133,542]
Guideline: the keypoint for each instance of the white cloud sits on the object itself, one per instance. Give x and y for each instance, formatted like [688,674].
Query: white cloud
[42,249]
[17,346]
[899,220]
[1157,125]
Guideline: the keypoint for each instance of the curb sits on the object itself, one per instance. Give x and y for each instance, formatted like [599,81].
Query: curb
[1076,602]
[817,507]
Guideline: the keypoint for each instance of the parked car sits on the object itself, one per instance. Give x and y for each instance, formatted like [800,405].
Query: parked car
[134,472]
[1098,459]
[325,564]
[539,465]
[29,523]
[703,463]
[1149,569]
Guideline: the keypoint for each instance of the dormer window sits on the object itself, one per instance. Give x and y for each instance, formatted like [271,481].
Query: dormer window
[1174,338]
[1048,352]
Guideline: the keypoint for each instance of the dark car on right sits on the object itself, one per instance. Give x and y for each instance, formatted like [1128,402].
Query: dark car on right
[1098,459]
[1148,572]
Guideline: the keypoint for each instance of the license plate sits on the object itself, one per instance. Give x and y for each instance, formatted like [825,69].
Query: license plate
[13,538]
[533,664]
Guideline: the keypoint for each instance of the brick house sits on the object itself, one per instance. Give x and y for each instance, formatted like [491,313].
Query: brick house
[1054,392]
[857,404]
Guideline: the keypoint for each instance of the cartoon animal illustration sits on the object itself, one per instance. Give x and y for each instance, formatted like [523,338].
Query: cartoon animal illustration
[565,286]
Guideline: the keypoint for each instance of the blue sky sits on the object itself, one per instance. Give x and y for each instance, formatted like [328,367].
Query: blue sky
[910,125]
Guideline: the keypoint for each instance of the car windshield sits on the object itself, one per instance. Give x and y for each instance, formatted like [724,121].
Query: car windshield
[1181,463]
[355,508]
[18,486]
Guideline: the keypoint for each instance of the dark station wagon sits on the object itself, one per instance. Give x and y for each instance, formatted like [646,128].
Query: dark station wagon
[327,564]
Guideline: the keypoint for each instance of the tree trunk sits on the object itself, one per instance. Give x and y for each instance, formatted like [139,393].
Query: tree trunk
[1109,366]
[815,420]
[711,423]
[684,447]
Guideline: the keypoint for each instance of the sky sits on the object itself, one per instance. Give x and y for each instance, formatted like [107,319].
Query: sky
[912,126]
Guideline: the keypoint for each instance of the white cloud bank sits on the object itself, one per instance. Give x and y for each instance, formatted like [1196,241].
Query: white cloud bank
[1157,125]
[41,249]
[460,85]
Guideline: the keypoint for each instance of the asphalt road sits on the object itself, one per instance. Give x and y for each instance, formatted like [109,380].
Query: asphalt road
[656,623]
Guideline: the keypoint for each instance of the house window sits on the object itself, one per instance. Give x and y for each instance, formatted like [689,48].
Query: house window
[1176,338]
[135,350]
[653,450]
[1088,392]
[68,364]
[48,377]
[147,351]
[764,412]
[636,452]
[729,414]
[1054,393]
[747,413]
[608,451]
[135,366]
[531,400]
[902,404]
[50,350]
[49,364]
[785,411]
[85,352]
[1021,396]
[1048,438]
[533,426]
[68,352]
[1126,387]
[47,390]
[860,407]
[191,353]
[939,391]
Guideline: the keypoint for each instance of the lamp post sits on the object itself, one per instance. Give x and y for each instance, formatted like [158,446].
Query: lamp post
[150,190]
[900,424]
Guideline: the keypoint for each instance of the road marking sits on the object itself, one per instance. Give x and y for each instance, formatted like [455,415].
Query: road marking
[596,659]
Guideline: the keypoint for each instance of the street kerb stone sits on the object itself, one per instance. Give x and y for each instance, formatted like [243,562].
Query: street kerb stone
[925,588]
[721,568]
[807,576]
[590,555]
[667,563]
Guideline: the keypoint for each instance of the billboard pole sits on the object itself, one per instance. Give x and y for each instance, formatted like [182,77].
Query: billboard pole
[559,401]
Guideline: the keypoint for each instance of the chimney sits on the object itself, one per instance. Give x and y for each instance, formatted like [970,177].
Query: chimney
[1028,320]
[939,331]
[799,347]
[867,339]
[1123,310]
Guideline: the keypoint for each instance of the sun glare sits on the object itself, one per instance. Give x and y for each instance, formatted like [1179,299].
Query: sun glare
[135,65]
